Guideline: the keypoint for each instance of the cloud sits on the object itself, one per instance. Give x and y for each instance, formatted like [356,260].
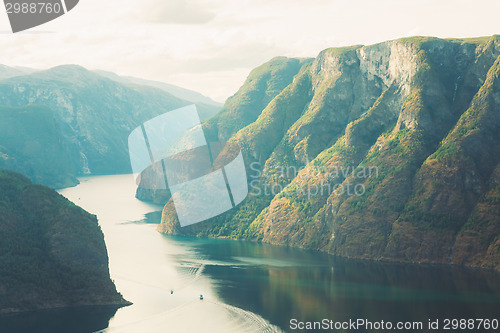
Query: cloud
[179,12]
[211,45]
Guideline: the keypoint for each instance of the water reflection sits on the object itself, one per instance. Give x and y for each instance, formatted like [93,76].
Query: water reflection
[247,287]
[281,284]
[146,266]
[74,320]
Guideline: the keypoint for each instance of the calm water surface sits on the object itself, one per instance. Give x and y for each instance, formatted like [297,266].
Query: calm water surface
[247,287]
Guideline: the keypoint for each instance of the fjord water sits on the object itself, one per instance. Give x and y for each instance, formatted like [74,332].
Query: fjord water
[247,287]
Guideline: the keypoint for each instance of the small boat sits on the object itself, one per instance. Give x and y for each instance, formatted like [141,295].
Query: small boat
[171,292]
[201,297]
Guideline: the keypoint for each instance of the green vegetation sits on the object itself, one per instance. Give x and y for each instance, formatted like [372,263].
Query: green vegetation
[417,41]
[52,253]
[234,224]
[340,51]
[262,85]
[425,121]
[263,136]
[446,151]
[477,40]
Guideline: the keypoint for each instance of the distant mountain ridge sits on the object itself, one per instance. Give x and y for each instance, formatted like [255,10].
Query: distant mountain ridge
[88,115]
[182,93]
[423,112]
[8,72]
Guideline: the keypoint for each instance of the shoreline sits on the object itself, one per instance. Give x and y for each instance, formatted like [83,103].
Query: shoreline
[367,260]
[116,306]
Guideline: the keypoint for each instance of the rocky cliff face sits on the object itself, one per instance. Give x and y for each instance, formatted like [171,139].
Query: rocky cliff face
[91,114]
[52,253]
[386,152]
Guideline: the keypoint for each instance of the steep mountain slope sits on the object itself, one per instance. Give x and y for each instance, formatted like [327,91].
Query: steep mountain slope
[93,116]
[262,85]
[385,152]
[52,253]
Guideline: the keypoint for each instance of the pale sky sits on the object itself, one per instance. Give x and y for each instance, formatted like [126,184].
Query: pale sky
[210,46]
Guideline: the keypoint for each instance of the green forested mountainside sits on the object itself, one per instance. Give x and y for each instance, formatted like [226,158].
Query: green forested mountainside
[52,253]
[263,84]
[91,116]
[422,114]
[259,89]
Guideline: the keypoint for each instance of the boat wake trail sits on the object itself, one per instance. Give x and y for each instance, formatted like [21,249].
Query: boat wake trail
[257,323]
